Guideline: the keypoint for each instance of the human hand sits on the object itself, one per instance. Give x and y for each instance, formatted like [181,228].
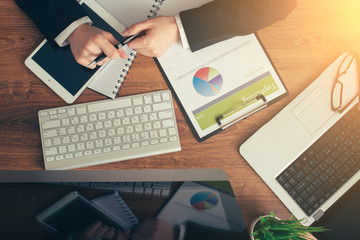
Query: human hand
[161,34]
[88,42]
[154,229]
[98,230]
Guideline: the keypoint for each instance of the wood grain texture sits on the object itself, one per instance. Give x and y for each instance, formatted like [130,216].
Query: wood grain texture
[301,47]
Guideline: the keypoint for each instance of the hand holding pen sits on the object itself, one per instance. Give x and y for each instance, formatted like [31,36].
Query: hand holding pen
[88,42]
[117,46]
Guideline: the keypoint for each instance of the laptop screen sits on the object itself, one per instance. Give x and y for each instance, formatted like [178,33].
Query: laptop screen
[341,218]
[48,209]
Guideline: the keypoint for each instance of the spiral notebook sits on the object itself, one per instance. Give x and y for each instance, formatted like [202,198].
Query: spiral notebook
[115,206]
[110,79]
[131,12]
[112,76]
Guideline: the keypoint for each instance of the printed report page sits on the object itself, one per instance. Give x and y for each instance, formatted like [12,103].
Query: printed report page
[217,79]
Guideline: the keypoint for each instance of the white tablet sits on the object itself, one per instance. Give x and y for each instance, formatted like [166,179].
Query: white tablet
[72,213]
[56,66]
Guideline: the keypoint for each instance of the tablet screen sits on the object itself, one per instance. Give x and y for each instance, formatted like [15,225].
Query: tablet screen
[60,63]
[75,216]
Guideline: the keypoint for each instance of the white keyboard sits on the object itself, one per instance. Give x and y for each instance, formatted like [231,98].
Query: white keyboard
[109,130]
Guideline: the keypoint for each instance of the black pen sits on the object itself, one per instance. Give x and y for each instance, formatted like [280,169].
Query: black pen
[117,46]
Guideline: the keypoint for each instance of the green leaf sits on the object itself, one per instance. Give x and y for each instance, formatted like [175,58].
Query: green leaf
[270,228]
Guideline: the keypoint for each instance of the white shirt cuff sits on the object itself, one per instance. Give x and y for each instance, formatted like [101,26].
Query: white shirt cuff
[61,38]
[183,38]
[182,232]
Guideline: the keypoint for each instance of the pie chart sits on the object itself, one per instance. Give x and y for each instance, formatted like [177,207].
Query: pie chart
[204,200]
[207,81]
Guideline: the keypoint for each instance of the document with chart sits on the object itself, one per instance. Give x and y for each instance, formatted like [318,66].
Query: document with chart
[224,78]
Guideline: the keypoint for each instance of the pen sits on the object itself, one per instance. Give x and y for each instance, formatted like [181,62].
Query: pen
[117,46]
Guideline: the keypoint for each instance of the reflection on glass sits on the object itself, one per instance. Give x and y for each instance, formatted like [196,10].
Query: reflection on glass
[140,210]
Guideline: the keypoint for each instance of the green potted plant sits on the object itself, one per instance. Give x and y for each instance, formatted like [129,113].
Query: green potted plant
[272,228]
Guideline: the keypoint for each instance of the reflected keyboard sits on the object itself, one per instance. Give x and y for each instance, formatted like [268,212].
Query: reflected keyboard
[142,188]
[109,130]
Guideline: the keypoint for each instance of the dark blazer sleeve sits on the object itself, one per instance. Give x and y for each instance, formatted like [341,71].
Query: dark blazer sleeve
[222,19]
[52,16]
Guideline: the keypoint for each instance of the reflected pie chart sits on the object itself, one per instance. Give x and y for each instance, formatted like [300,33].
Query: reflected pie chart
[204,200]
[207,81]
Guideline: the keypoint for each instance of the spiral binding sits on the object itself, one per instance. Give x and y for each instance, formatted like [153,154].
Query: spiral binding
[156,8]
[125,70]
[129,213]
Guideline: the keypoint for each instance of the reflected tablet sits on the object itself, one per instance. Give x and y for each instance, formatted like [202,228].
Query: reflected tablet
[72,213]
[56,66]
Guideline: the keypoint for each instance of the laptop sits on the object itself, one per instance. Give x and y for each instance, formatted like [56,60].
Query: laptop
[54,204]
[309,153]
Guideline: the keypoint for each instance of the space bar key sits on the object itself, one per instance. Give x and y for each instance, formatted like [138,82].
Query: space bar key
[108,105]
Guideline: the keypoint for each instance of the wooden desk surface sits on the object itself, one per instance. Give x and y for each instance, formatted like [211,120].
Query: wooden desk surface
[301,47]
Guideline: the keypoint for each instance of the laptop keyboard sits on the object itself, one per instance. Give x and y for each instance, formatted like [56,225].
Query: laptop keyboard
[325,166]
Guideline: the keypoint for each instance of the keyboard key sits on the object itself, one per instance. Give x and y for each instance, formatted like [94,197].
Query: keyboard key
[50,124]
[109,105]
[71,111]
[165,114]
[312,200]
[299,199]
[44,114]
[309,177]
[50,133]
[161,106]
[51,151]
[138,100]
[301,186]
[165,96]
[78,154]
[293,193]
[172,131]
[293,181]
[81,110]
[317,183]
[52,112]
[173,139]
[299,175]
[157,97]
[305,207]
[304,195]
[168,123]
[319,193]
[310,189]
[148,99]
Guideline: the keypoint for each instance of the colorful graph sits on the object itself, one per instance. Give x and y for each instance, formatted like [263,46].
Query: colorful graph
[204,200]
[207,81]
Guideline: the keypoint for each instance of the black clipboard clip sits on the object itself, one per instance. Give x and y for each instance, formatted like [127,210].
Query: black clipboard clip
[226,121]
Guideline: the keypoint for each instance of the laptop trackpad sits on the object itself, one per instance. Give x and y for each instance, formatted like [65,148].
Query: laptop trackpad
[314,110]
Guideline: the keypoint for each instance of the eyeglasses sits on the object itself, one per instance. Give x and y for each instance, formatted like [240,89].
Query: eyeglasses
[343,78]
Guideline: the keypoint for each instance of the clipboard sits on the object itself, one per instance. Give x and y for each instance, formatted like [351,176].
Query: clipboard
[240,64]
